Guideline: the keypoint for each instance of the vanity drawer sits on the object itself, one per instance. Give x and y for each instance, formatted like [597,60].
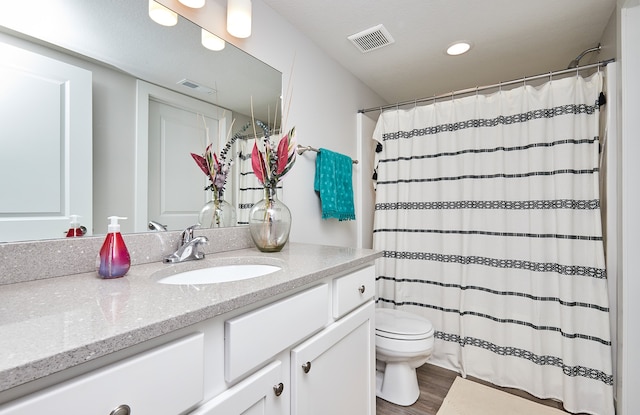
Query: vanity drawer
[166,380]
[352,290]
[254,337]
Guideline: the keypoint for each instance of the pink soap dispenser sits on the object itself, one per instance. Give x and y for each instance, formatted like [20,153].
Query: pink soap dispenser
[114,256]
[75,230]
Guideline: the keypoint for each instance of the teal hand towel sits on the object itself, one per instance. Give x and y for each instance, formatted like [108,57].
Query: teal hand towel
[334,184]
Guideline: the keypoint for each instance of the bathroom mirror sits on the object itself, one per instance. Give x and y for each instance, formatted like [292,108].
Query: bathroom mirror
[122,46]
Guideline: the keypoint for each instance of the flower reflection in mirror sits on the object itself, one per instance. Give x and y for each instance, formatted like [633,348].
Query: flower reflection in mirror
[217,212]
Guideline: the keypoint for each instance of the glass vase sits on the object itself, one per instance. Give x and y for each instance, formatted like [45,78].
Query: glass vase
[217,213]
[269,222]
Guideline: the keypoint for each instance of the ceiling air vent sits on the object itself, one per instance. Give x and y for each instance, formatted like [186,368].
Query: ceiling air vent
[371,39]
[196,86]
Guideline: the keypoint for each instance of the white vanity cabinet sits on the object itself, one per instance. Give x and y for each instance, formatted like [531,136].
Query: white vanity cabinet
[164,380]
[310,353]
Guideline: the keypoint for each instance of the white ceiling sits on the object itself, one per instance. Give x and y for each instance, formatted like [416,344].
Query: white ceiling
[511,39]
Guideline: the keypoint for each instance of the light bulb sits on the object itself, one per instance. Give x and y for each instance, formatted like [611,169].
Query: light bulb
[211,41]
[161,15]
[239,18]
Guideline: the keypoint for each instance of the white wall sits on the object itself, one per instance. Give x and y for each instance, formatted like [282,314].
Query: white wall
[366,126]
[629,269]
[326,98]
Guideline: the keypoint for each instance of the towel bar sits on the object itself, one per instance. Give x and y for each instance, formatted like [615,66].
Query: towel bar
[302,149]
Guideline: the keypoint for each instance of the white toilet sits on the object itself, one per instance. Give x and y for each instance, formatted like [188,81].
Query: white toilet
[404,342]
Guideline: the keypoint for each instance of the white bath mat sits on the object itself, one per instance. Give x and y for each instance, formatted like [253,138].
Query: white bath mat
[471,398]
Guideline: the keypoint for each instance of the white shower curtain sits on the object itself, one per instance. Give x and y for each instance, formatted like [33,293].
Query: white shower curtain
[488,214]
[249,188]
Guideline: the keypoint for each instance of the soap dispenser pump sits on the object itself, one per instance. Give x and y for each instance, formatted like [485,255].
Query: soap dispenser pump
[114,256]
[75,229]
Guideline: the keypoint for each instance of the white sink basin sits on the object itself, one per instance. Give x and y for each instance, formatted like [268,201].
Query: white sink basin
[220,273]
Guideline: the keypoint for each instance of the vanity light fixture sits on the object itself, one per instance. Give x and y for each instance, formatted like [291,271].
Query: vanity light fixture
[239,18]
[194,4]
[211,41]
[458,48]
[162,15]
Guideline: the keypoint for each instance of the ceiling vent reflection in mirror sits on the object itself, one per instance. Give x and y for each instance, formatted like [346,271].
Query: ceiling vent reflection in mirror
[372,38]
[196,86]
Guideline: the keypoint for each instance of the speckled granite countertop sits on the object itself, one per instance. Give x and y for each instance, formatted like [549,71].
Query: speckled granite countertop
[53,324]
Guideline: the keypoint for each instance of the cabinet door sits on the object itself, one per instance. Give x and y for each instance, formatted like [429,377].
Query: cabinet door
[334,371]
[263,393]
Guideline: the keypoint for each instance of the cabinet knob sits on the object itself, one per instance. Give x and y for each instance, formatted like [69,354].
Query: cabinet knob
[278,389]
[121,410]
[306,367]
[361,289]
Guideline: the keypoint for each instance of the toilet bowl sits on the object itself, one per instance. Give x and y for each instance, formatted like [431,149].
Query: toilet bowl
[404,342]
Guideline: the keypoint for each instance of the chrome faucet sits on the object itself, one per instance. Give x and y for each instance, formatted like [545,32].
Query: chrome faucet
[189,247]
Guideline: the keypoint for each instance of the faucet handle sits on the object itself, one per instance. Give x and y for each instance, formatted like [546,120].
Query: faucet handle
[187,235]
[200,240]
[188,251]
[194,247]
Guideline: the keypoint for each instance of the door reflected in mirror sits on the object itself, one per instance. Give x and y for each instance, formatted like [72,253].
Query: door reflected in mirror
[176,185]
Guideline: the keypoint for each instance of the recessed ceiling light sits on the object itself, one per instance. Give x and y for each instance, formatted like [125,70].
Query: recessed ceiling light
[458,48]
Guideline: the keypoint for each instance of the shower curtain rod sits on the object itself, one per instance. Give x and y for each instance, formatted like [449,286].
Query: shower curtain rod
[482,88]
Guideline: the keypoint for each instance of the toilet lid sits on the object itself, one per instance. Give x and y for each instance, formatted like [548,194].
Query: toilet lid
[401,324]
